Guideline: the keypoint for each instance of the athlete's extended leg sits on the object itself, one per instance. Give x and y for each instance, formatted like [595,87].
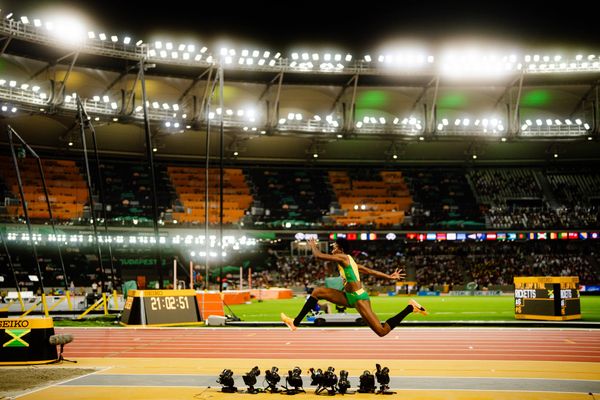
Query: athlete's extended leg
[365,311]
[320,293]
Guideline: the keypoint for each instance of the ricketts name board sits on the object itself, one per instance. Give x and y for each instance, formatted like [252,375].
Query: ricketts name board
[547,298]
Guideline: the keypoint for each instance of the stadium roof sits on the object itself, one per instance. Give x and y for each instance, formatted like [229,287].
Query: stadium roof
[381,100]
[358,29]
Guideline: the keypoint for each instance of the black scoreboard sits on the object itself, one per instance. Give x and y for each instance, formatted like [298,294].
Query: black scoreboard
[553,298]
[161,308]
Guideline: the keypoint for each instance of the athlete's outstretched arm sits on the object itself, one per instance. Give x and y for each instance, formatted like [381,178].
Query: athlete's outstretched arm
[339,258]
[395,276]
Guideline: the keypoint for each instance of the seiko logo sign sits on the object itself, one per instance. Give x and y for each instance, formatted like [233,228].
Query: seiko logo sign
[14,324]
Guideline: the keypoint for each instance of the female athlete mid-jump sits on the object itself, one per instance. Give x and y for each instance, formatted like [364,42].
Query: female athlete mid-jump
[353,294]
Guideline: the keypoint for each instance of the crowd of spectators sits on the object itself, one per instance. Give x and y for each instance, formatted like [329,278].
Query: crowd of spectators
[434,265]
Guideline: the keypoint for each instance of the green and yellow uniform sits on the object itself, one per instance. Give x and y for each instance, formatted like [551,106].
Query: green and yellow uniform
[349,273]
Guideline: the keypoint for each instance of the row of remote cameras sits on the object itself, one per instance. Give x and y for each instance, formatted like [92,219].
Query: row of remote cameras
[323,380]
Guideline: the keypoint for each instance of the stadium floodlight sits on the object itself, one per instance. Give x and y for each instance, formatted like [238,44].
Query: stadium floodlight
[25,20]
[163,53]
[315,56]
[24,86]
[305,56]
[549,122]
[586,126]
[181,47]
[228,60]
[126,40]
[105,99]
[538,122]
[102,36]
[37,23]
[367,58]
[348,57]
[186,56]
[169,46]
[91,35]
[282,121]
[174,55]
[266,54]
[191,48]
[12,83]
[261,61]
[114,38]
[9,16]
[272,63]
[139,43]
[113,105]
[245,53]
[578,121]
[294,56]
[241,60]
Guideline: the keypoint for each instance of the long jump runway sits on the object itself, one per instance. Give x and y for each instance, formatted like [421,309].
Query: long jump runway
[424,363]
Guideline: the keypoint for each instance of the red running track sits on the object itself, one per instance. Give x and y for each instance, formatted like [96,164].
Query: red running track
[402,343]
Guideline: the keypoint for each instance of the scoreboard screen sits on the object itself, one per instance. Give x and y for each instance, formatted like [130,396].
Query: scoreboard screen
[547,298]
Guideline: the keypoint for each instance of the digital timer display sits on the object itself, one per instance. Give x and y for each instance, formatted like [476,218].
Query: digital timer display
[161,307]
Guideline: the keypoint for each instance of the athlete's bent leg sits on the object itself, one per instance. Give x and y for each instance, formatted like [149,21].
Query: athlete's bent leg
[319,293]
[366,312]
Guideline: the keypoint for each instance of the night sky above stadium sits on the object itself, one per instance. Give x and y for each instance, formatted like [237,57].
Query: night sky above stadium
[315,25]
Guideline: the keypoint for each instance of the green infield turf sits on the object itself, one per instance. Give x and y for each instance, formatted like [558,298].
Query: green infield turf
[441,308]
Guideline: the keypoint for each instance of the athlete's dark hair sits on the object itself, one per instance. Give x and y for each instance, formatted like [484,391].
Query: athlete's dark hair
[343,244]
